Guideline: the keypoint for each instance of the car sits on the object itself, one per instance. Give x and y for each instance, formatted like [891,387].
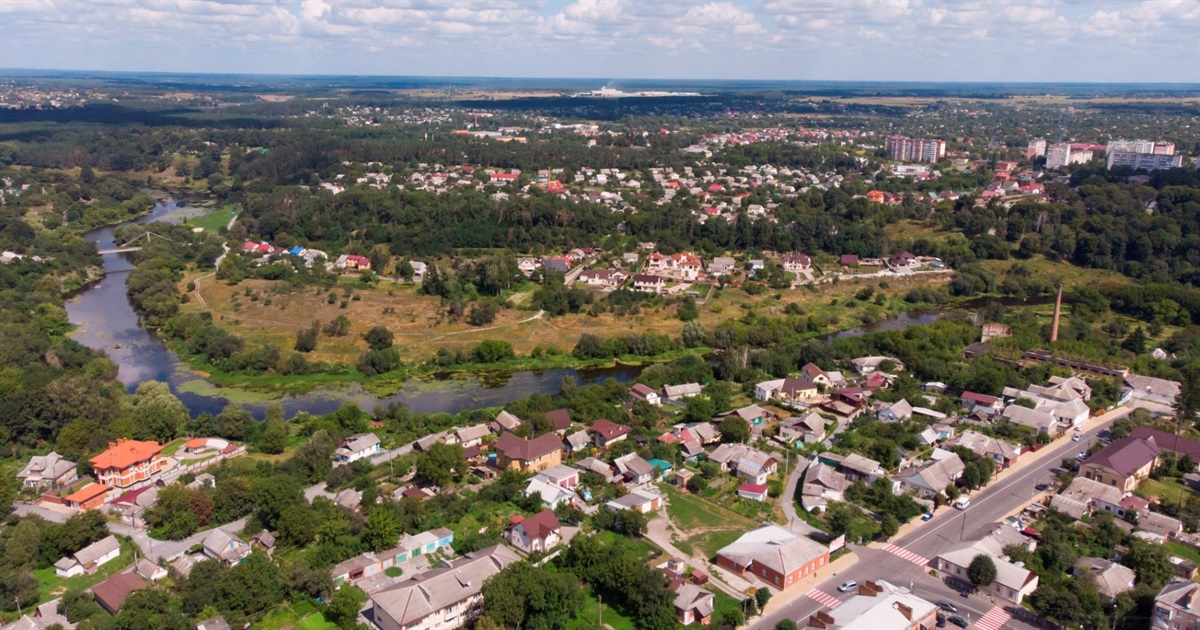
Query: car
[1042,486]
[1076,437]
[927,516]
[941,621]
[947,606]
[848,585]
[958,621]
[962,503]
[1081,456]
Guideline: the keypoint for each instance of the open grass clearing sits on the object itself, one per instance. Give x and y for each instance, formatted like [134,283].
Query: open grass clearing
[215,220]
[689,512]
[50,585]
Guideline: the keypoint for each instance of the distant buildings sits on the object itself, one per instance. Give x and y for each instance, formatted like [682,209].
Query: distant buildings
[915,149]
[1036,148]
[1064,154]
[1144,161]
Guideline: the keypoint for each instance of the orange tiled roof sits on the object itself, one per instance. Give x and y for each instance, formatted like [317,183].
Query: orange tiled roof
[196,443]
[126,453]
[87,493]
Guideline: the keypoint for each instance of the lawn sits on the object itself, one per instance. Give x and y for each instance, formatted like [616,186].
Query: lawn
[213,221]
[688,512]
[304,614]
[1165,489]
[1183,551]
[173,447]
[50,585]
[591,616]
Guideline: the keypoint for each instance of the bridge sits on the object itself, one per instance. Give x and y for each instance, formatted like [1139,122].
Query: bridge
[128,247]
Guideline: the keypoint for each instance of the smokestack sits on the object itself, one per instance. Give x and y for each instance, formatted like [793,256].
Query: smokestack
[1057,314]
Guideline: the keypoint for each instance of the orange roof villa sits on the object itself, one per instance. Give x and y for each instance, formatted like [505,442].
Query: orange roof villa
[128,463]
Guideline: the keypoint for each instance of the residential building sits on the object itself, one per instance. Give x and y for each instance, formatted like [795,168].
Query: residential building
[374,563]
[1039,421]
[755,466]
[1177,606]
[577,441]
[357,447]
[722,266]
[1122,464]
[796,263]
[89,559]
[856,467]
[914,149]
[1085,495]
[147,569]
[448,596]
[525,455]
[808,429]
[895,412]
[677,393]
[1035,148]
[774,555]
[111,593]
[48,471]
[822,484]
[538,533]
[1169,442]
[648,283]
[605,433]
[1062,154]
[643,500]
[1144,161]
[1001,452]
[989,405]
[560,419]
[128,464]
[591,464]
[88,497]
[693,605]
[634,469]
[1150,389]
[867,365]
[468,436]
[506,421]
[932,478]
[552,494]
[880,605]
[1013,583]
[223,546]
[642,393]
[753,491]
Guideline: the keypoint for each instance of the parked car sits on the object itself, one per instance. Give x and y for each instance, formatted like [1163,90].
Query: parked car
[847,586]
[1081,456]
[958,621]
[1042,486]
[1076,437]
[947,606]
[927,516]
[962,503]
[941,621]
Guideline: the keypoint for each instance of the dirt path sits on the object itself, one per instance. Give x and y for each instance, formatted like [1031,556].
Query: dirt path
[475,330]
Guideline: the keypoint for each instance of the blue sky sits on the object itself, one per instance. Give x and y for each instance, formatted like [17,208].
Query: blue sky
[898,40]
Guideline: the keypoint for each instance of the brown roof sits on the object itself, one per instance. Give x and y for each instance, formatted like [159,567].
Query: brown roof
[560,418]
[609,429]
[516,448]
[111,593]
[1169,441]
[540,525]
[1126,455]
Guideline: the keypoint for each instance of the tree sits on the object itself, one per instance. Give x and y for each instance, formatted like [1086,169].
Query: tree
[441,465]
[344,606]
[274,435]
[233,422]
[1151,563]
[1136,341]
[734,429]
[761,597]
[151,609]
[306,340]
[786,624]
[379,338]
[383,529]
[338,327]
[482,313]
[888,526]
[22,547]
[524,596]
[687,310]
[156,412]
[982,570]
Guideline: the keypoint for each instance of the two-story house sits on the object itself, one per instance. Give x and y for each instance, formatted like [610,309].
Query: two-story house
[531,455]
[128,464]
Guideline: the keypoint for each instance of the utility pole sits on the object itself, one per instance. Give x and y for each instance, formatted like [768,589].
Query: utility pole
[600,613]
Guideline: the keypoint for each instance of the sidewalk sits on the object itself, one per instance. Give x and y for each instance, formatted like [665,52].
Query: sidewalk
[786,597]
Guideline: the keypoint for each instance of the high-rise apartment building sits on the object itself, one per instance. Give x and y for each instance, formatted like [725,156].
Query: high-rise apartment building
[1036,148]
[1141,146]
[1061,154]
[915,149]
[1144,161]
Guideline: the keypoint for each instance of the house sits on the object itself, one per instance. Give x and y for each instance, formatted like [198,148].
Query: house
[111,593]
[703,432]
[989,405]
[796,263]
[879,605]
[1122,464]
[359,263]
[88,497]
[223,546]
[1039,421]
[848,260]
[1158,524]
[808,429]
[357,447]
[642,393]
[448,596]
[578,441]
[867,365]
[756,466]
[1001,452]
[47,471]
[634,469]
[1177,606]
[538,533]
[794,390]
[752,414]
[506,421]
[88,559]
[593,465]
[1169,442]
[128,463]
[693,605]
[648,283]
[895,412]
[514,453]
[527,265]
[767,390]
[754,491]
[932,478]
[216,623]
[722,266]
[264,540]
[468,436]
[147,569]
[560,419]
[814,374]
[552,494]
[902,260]
[727,456]
[558,264]
[677,393]
[643,500]
[774,555]
[1085,495]
[1013,583]
[1111,579]
[605,433]
[1150,389]
[597,277]
[859,468]
[561,476]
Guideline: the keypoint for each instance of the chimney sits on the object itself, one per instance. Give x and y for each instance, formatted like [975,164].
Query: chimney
[1057,314]
[907,611]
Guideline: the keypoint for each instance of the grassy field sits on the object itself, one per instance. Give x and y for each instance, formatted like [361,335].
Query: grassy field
[1070,275]
[1165,489]
[704,527]
[274,313]
[591,616]
[213,221]
[303,615]
[50,585]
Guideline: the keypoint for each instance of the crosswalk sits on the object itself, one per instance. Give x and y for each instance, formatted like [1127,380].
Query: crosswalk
[993,620]
[907,555]
[829,601]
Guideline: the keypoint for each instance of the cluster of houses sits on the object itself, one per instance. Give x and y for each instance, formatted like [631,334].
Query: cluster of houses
[266,252]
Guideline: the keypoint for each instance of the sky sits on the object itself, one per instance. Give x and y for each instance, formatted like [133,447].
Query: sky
[859,40]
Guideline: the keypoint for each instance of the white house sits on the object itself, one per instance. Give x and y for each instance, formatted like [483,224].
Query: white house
[677,393]
[89,559]
[357,447]
[538,533]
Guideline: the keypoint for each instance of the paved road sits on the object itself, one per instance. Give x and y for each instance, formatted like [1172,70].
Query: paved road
[945,530]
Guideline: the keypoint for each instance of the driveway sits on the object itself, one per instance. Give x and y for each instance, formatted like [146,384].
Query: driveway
[658,531]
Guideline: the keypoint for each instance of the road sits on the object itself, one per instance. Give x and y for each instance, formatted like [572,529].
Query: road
[1008,494]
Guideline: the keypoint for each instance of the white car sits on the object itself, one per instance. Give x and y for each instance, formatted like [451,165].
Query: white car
[1076,437]
[1081,456]
[848,585]
[962,503]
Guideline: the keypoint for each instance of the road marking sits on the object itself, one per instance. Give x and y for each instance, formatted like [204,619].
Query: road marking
[993,620]
[829,601]
[907,555]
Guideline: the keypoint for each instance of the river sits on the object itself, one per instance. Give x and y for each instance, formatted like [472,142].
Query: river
[105,320]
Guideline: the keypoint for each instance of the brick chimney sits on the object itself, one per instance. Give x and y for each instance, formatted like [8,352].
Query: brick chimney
[1057,315]
[907,611]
